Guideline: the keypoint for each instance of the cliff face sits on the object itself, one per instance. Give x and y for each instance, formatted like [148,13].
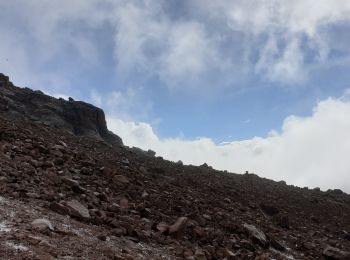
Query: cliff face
[77,117]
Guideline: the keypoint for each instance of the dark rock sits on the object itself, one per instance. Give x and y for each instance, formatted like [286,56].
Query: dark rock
[59,208]
[269,210]
[346,235]
[283,221]
[333,253]
[162,227]
[77,117]
[178,226]
[335,191]
[151,153]
[256,235]
[121,179]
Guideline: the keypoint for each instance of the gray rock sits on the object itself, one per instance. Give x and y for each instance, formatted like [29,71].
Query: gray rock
[42,224]
[256,235]
[78,210]
[335,254]
[178,226]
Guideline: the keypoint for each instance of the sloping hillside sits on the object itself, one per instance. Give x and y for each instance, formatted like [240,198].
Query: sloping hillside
[70,190]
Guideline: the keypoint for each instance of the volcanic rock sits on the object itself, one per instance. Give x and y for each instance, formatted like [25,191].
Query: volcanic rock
[269,210]
[256,235]
[78,210]
[77,117]
[333,253]
[178,226]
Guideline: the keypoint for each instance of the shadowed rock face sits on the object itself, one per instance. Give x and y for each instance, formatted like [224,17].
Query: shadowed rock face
[77,117]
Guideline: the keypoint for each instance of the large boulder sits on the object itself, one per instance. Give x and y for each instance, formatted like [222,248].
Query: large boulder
[256,235]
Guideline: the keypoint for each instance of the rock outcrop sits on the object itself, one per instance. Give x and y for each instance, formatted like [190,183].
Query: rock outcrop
[77,117]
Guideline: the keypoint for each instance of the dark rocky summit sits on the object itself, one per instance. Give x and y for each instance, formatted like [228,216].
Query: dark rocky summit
[65,194]
[77,117]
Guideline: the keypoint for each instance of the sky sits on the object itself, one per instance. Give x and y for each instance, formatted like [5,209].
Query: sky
[242,85]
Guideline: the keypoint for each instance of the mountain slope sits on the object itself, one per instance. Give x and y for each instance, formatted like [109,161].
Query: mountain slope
[109,202]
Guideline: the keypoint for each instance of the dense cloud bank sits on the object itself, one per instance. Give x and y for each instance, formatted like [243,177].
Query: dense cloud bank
[308,151]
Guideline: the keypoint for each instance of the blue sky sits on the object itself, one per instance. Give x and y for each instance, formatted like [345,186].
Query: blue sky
[217,79]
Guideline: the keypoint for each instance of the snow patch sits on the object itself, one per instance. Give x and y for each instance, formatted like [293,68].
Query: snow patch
[16,247]
[4,227]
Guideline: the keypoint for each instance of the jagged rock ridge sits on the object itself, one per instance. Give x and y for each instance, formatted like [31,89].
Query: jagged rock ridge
[77,117]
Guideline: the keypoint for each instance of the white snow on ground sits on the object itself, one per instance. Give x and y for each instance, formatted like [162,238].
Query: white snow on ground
[16,247]
[4,227]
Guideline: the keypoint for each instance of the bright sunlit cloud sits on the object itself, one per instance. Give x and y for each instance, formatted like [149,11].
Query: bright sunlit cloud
[309,151]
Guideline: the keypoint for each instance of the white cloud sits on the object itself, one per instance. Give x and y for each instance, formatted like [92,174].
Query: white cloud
[209,44]
[309,151]
[280,41]
[124,104]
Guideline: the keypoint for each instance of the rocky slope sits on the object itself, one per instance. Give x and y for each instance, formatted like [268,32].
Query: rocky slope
[70,194]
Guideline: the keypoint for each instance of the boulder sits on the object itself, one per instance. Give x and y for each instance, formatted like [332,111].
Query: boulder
[334,253]
[78,210]
[256,235]
[42,224]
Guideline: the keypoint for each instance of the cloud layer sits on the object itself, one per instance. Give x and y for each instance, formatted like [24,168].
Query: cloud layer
[308,151]
[183,44]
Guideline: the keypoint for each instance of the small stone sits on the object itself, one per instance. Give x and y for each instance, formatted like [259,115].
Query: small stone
[199,255]
[102,237]
[162,227]
[42,224]
[124,203]
[78,210]
[70,181]
[34,240]
[121,179]
[118,232]
[144,194]
[178,226]
[309,245]
[59,208]
[125,161]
